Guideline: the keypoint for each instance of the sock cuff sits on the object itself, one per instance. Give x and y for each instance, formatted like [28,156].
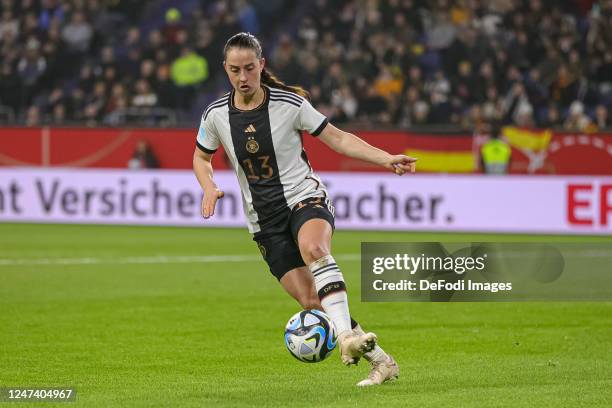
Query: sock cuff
[322,262]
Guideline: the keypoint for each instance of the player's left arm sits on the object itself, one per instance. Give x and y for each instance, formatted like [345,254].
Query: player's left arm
[352,146]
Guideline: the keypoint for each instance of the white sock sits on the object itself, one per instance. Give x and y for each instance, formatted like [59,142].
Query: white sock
[332,291]
[376,355]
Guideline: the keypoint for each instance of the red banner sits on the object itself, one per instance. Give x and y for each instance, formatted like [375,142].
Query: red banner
[533,152]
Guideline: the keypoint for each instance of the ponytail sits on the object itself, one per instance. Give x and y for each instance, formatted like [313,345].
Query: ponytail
[248,40]
[273,82]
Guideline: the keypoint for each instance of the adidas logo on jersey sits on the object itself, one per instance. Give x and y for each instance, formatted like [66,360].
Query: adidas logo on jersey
[250,129]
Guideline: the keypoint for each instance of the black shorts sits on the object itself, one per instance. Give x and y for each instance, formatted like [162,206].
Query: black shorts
[278,242]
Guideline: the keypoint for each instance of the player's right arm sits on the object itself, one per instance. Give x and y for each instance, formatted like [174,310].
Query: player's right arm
[207,143]
[202,167]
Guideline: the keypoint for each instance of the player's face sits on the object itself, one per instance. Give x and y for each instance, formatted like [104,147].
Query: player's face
[243,69]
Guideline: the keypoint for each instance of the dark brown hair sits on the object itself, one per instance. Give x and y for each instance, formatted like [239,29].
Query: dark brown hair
[247,40]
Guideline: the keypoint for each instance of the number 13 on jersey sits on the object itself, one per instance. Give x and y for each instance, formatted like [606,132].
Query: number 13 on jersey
[258,169]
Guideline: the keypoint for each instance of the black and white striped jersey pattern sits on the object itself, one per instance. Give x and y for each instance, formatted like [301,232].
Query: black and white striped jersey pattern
[264,146]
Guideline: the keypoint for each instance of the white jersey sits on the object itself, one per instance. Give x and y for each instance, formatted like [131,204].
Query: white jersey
[265,148]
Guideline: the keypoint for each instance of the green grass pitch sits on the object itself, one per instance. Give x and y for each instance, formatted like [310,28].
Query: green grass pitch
[132,316]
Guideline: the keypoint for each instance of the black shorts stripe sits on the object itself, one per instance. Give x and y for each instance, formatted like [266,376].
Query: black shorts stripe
[204,149]
[282,99]
[318,131]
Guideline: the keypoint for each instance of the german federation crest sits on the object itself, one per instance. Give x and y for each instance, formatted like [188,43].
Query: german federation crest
[251,145]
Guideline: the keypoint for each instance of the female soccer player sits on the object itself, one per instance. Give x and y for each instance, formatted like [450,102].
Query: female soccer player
[259,124]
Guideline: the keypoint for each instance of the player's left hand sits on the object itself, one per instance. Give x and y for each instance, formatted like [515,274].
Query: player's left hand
[401,164]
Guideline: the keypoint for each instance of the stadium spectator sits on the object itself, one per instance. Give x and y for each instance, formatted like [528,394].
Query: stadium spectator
[86,78]
[413,109]
[144,96]
[116,105]
[247,16]
[577,120]
[51,10]
[439,88]
[117,95]
[188,71]
[9,25]
[33,116]
[143,156]
[129,53]
[552,116]
[492,107]
[165,88]
[345,103]
[284,60]
[147,70]
[495,154]
[107,57]
[31,67]
[602,118]
[95,103]
[76,104]
[77,34]
[30,28]
[173,27]
[9,87]
[58,115]
[55,97]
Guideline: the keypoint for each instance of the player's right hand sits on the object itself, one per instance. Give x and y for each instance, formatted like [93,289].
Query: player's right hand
[210,201]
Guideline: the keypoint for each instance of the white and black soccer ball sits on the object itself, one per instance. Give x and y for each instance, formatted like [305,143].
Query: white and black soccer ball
[310,336]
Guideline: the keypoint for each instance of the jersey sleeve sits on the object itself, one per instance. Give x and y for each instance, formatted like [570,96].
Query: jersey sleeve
[311,120]
[207,139]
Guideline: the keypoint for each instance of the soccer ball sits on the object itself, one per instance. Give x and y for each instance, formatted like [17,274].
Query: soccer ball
[310,336]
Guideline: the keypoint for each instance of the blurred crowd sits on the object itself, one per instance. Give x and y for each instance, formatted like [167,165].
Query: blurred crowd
[409,62]
[106,62]
[392,63]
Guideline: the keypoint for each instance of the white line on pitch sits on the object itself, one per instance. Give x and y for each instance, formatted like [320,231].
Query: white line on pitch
[162,259]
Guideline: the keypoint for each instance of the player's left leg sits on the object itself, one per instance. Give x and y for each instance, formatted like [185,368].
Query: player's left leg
[383,366]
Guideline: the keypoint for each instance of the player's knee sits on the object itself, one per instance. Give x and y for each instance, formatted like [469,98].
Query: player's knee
[312,250]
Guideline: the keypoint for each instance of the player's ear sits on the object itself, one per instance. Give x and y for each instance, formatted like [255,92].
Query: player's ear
[262,63]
